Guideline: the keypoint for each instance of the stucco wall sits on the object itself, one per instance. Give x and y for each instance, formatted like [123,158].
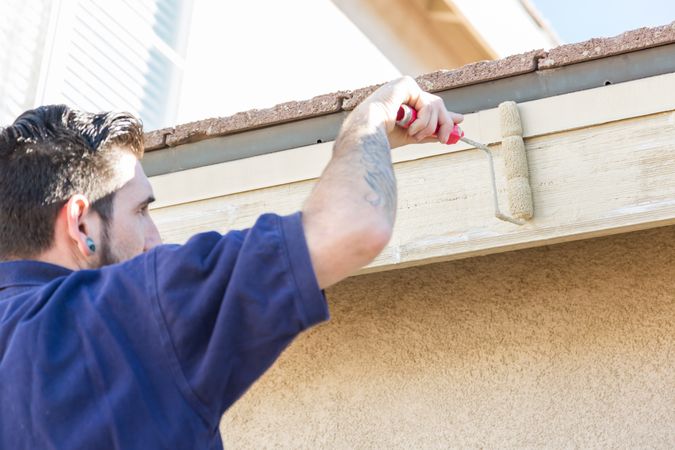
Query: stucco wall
[570,345]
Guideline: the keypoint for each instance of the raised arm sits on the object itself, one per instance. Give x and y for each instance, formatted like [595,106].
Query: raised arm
[349,216]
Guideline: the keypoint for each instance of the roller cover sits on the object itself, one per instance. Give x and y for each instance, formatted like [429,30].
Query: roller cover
[509,119]
[515,159]
[520,198]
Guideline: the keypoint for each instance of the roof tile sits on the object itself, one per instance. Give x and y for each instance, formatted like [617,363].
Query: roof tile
[285,112]
[630,41]
[478,72]
[470,74]
[481,71]
[156,139]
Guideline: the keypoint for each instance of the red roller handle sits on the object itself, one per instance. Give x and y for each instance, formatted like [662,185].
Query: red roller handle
[407,115]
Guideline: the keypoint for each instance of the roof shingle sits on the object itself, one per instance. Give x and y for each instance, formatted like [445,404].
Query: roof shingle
[479,72]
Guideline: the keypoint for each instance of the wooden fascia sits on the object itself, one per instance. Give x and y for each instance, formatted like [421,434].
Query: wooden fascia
[602,161]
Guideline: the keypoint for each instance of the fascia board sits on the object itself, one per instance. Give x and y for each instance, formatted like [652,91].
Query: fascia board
[540,117]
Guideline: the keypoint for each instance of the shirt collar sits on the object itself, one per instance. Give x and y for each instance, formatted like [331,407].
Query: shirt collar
[29,273]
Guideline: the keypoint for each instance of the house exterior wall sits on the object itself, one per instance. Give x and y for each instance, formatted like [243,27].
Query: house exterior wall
[571,345]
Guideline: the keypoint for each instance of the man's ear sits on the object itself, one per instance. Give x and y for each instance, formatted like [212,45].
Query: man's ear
[77,224]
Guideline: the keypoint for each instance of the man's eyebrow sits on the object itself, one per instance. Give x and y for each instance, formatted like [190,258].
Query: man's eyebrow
[147,201]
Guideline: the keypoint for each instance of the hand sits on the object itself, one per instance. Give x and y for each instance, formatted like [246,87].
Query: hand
[382,106]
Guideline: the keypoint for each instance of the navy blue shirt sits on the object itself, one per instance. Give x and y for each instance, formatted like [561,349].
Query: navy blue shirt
[149,353]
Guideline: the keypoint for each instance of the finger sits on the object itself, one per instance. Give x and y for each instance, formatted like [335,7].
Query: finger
[430,128]
[445,130]
[456,118]
[410,90]
[404,90]
[445,124]
[420,123]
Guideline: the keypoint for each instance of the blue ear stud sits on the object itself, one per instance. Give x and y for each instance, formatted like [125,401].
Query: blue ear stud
[91,245]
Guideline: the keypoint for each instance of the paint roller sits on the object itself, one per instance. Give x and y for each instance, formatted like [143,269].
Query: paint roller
[515,159]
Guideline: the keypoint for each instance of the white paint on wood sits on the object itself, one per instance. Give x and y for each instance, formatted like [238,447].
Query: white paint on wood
[539,117]
[586,182]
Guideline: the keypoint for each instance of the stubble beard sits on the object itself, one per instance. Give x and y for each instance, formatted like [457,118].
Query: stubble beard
[107,256]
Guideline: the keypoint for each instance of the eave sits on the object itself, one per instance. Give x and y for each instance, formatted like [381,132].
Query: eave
[599,130]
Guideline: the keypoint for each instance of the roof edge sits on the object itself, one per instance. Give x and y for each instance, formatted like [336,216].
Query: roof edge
[475,73]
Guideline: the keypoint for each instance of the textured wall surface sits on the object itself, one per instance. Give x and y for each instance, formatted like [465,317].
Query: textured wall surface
[567,345]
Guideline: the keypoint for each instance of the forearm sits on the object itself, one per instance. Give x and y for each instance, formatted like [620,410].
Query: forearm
[352,209]
[362,154]
[349,216]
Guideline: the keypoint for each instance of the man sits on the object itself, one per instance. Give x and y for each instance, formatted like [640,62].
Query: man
[110,340]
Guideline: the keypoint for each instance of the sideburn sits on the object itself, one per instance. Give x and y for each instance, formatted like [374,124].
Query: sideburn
[106,256]
[104,207]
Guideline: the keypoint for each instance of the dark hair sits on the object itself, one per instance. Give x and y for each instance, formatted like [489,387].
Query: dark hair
[50,154]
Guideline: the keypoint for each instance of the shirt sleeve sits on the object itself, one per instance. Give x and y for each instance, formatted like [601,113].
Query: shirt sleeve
[229,305]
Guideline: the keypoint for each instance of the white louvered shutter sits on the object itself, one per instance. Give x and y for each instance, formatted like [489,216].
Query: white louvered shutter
[118,55]
[23,34]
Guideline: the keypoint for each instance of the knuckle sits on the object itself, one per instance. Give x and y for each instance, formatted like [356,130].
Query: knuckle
[409,79]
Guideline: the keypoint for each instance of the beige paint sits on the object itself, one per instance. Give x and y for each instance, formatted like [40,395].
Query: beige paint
[539,117]
[593,181]
[566,346]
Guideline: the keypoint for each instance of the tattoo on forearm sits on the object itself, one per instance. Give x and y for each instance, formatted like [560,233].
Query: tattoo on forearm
[379,173]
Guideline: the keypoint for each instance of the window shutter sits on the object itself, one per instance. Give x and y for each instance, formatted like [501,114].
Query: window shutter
[122,55]
[22,40]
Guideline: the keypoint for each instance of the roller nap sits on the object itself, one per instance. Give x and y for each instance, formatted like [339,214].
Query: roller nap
[515,162]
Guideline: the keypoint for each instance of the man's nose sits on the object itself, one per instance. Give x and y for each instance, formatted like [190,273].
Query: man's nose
[153,238]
